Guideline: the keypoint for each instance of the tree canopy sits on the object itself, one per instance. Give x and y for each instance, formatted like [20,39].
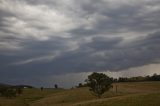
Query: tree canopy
[98,83]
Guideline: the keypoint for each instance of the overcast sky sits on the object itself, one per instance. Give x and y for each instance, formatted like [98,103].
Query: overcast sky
[43,42]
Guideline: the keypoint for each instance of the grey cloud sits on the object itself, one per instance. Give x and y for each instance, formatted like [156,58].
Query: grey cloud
[122,18]
[41,38]
[90,57]
[83,32]
[102,43]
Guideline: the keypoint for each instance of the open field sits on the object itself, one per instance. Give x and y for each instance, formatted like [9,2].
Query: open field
[28,96]
[128,94]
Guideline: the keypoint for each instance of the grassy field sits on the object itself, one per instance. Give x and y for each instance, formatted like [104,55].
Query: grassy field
[128,94]
[28,96]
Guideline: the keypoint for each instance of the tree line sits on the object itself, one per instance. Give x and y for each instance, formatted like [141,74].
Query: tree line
[154,77]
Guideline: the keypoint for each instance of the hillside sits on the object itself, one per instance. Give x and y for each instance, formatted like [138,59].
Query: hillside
[128,94]
[82,96]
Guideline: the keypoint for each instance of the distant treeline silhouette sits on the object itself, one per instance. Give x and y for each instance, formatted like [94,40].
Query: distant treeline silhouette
[154,77]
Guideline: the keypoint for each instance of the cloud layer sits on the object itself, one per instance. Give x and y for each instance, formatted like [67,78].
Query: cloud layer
[42,38]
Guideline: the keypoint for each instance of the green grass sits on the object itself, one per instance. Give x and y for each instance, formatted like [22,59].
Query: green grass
[28,96]
[129,94]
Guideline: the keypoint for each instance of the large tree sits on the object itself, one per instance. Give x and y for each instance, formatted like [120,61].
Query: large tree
[99,83]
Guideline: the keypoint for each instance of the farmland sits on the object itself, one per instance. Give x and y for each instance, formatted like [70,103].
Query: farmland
[127,94]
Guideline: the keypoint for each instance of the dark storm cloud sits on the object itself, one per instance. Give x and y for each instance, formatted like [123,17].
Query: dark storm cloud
[125,17]
[97,56]
[43,38]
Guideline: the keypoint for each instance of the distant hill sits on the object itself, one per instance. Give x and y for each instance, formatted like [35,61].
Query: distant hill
[5,85]
[23,86]
[15,86]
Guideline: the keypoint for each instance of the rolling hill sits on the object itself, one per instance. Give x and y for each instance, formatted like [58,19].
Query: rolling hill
[128,94]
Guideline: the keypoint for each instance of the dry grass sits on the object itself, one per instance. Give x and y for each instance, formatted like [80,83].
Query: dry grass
[28,96]
[151,99]
[131,94]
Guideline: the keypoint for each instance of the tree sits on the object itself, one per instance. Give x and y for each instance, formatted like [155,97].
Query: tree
[56,86]
[99,83]
[42,88]
[80,85]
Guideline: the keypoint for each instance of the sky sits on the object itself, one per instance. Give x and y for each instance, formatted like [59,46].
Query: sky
[43,42]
